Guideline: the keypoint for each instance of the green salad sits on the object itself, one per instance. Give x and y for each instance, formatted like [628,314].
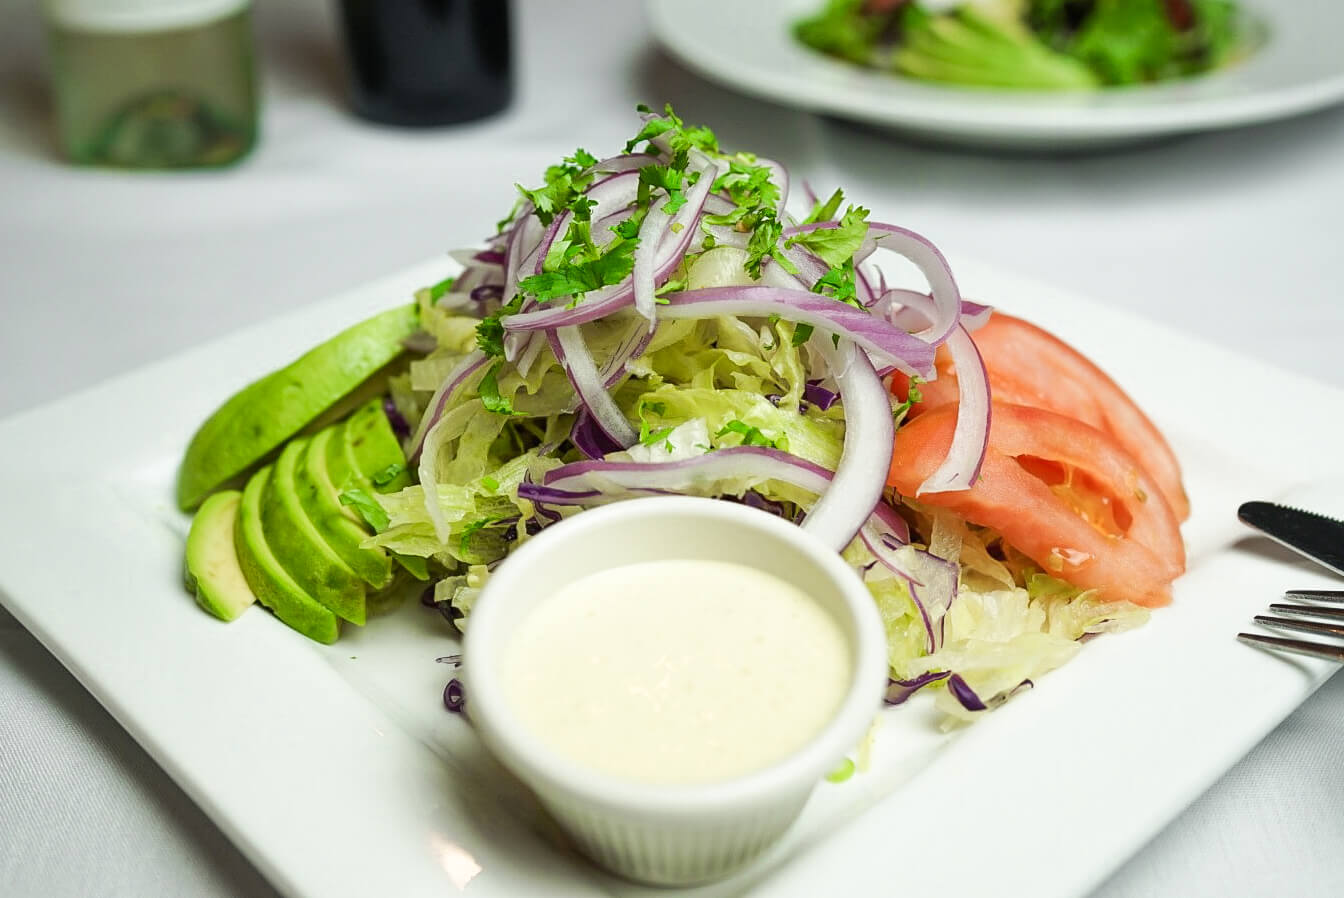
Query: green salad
[1031,44]
[661,321]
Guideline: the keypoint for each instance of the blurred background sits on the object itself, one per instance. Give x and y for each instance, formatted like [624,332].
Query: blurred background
[305,189]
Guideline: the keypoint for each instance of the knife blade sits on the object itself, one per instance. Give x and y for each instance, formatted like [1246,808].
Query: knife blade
[1313,535]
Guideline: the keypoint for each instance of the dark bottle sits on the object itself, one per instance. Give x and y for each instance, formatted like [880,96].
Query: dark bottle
[428,62]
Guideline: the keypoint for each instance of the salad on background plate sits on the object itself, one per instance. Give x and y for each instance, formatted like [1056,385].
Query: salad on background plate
[1032,44]
[661,320]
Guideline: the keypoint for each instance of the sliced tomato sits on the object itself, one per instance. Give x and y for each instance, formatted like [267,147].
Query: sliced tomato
[1029,366]
[1061,492]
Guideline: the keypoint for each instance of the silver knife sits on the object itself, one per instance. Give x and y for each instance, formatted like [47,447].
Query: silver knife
[1316,536]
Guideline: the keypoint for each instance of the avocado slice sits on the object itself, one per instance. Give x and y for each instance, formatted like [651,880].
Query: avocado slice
[294,539]
[372,449]
[260,417]
[365,449]
[269,581]
[213,573]
[321,504]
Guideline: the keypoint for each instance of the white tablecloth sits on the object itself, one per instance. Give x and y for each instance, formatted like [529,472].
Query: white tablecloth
[1233,237]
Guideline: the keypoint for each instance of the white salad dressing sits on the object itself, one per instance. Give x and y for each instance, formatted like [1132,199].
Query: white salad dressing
[675,672]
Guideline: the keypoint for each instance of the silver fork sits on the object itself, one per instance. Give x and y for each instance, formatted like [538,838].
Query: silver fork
[1329,621]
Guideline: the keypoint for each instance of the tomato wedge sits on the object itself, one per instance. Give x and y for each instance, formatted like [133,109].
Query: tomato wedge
[1029,366]
[1061,492]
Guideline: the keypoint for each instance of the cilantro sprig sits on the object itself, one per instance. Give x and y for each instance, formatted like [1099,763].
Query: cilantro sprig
[565,183]
[751,436]
[836,245]
[491,398]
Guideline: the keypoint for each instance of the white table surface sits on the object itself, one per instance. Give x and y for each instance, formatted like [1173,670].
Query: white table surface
[1233,237]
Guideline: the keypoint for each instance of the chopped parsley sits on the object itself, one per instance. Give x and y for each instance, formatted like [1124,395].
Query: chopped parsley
[582,267]
[565,183]
[912,396]
[802,333]
[490,395]
[648,436]
[438,291]
[838,283]
[825,211]
[751,436]
[490,332]
[836,245]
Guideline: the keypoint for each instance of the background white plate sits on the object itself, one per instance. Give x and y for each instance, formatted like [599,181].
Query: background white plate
[748,45]
[337,771]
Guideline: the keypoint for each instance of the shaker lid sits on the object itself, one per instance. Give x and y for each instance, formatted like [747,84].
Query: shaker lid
[139,15]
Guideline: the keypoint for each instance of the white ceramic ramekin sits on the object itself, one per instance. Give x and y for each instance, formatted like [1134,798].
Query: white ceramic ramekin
[670,835]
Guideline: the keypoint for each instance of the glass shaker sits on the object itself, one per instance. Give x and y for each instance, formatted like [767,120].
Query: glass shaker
[428,62]
[153,83]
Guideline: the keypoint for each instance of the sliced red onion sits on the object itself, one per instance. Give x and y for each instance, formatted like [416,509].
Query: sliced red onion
[878,337]
[810,268]
[454,696]
[469,258]
[931,581]
[472,277]
[604,302]
[572,353]
[652,253]
[632,344]
[934,267]
[625,162]
[812,198]
[611,194]
[809,228]
[590,439]
[523,240]
[863,287]
[718,204]
[963,693]
[970,440]
[400,426]
[753,499]
[470,365]
[536,261]
[597,482]
[856,488]
[890,525]
[912,311]
[529,348]
[549,495]
[651,233]
[747,462]
[487,293]
[899,691]
[780,175]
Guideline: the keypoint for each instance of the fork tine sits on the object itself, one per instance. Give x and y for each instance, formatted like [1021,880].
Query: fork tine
[1308,611]
[1305,626]
[1301,647]
[1317,595]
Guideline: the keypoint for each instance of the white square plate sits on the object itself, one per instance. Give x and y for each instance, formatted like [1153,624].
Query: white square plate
[337,770]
